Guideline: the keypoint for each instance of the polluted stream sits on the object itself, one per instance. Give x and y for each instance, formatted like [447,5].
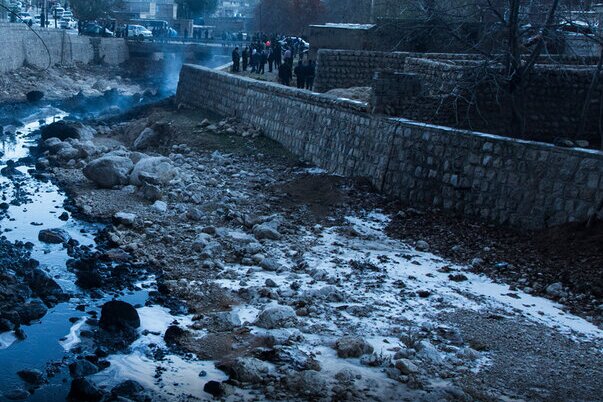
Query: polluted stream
[30,202]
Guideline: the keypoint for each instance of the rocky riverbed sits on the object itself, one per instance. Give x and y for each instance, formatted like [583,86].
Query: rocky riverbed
[278,281]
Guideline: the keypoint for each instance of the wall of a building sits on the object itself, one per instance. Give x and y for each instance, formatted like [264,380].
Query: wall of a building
[346,69]
[521,183]
[20,46]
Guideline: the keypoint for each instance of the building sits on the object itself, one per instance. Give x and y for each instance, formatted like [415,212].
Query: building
[235,8]
[166,10]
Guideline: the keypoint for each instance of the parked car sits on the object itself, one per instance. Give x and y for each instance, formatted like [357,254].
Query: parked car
[57,12]
[295,40]
[139,32]
[68,23]
[68,14]
[93,29]
[38,19]
[26,18]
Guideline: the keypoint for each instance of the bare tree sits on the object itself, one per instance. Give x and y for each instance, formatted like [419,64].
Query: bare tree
[514,35]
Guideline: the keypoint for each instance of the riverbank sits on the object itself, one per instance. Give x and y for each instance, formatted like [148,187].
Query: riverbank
[289,283]
[249,275]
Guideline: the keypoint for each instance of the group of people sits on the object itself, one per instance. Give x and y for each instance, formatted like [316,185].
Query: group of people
[278,57]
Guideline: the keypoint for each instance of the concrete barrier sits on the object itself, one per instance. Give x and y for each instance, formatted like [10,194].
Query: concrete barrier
[20,46]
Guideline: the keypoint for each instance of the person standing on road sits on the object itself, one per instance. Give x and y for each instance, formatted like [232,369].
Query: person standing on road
[253,60]
[263,60]
[284,74]
[278,55]
[288,58]
[300,74]
[236,59]
[257,58]
[270,59]
[310,74]
[245,58]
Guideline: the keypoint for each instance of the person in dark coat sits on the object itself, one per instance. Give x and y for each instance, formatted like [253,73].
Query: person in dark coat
[300,74]
[270,59]
[263,60]
[245,58]
[310,74]
[284,74]
[236,60]
[278,55]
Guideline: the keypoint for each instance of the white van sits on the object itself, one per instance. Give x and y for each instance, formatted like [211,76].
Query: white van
[57,12]
[139,32]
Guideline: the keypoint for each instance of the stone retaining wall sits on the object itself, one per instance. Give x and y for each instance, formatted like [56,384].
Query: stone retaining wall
[355,68]
[21,46]
[551,102]
[520,183]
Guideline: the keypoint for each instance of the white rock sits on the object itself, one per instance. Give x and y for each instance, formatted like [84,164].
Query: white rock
[277,317]
[160,206]
[125,218]
[422,245]
[159,167]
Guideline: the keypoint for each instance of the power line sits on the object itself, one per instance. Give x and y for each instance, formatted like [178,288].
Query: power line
[32,30]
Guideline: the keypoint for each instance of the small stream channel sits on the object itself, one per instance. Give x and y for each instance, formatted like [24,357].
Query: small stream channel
[58,338]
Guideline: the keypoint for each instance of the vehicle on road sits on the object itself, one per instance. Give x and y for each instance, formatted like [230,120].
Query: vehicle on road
[94,29]
[139,32]
[26,18]
[295,40]
[68,23]
[57,12]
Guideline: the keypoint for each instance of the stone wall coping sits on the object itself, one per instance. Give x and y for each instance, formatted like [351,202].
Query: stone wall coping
[581,152]
[560,61]
[307,96]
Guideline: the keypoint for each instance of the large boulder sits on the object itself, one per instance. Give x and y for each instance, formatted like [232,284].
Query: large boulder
[174,335]
[352,346]
[31,311]
[67,129]
[68,152]
[130,390]
[118,315]
[34,96]
[54,145]
[109,171]
[82,368]
[53,236]
[266,231]
[159,168]
[87,149]
[308,384]
[83,389]
[45,287]
[152,136]
[277,317]
[246,369]
[33,376]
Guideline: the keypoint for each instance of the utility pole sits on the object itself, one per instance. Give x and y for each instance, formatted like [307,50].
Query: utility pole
[43,14]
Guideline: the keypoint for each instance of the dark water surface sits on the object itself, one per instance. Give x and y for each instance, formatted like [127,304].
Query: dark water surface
[51,339]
